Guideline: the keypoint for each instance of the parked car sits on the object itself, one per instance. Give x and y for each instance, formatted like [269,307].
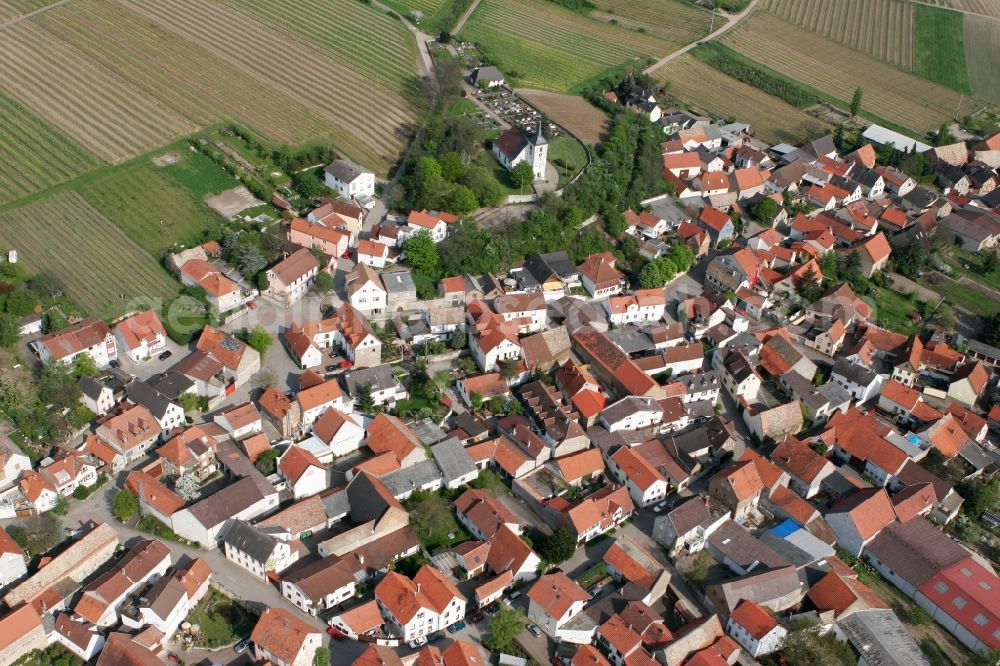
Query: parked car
[252,305]
[533,628]
[337,634]
[240,647]
[595,592]
[114,364]
[418,642]
[331,368]
[457,627]
[165,355]
[346,364]
[659,507]
[514,596]
[435,637]
[478,617]
[493,608]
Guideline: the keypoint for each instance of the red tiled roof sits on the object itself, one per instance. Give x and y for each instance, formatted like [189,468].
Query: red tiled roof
[756,620]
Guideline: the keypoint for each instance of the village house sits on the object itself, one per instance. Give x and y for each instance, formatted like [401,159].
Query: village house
[436,223]
[372,253]
[338,214]
[381,383]
[257,551]
[131,433]
[281,638]
[755,629]
[599,275]
[738,486]
[221,292]
[351,180]
[302,471]
[140,336]
[332,241]
[554,602]
[643,305]
[492,339]
[428,603]
[89,336]
[290,279]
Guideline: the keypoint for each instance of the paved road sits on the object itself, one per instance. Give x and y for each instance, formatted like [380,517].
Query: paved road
[731,21]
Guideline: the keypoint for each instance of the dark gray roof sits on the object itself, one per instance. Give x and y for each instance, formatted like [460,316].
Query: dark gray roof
[853,372]
[761,586]
[380,377]
[336,504]
[91,387]
[688,515]
[365,498]
[630,339]
[221,505]
[171,384]
[469,424]
[428,432]
[554,264]
[915,550]
[452,459]
[412,477]
[630,404]
[488,74]
[920,197]
[700,381]
[867,177]
[745,550]
[143,394]
[881,639]
[246,538]
[344,170]
[398,282]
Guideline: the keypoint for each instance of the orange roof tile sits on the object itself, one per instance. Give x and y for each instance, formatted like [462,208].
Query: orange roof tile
[281,633]
[295,461]
[556,593]
[578,465]
[755,619]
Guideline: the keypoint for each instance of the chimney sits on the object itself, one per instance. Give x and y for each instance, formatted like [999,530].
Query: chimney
[418,588]
[361,559]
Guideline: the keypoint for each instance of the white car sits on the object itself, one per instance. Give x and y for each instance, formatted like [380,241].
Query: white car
[417,642]
[659,507]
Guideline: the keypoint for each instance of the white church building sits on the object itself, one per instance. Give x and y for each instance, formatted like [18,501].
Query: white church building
[514,146]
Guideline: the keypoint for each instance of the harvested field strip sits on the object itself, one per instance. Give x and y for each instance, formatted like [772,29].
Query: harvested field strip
[150,207]
[907,100]
[105,113]
[982,7]
[770,118]
[880,28]
[542,45]
[354,32]
[982,52]
[67,238]
[677,22]
[939,51]
[326,87]
[33,155]
[13,8]
[200,86]
[583,119]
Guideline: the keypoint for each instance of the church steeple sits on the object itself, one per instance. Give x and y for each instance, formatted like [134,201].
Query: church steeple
[539,139]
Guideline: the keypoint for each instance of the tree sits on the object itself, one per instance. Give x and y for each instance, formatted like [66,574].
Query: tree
[850,269]
[267,462]
[804,645]
[84,364]
[189,401]
[807,283]
[657,273]
[125,504]
[324,282]
[13,393]
[989,259]
[458,339]
[249,259]
[260,340]
[504,627]
[944,136]
[57,386]
[366,402]
[614,221]
[322,656]
[558,547]
[979,495]
[188,487]
[10,330]
[523,175]
[496,404]
[37,534]
[21,302]
[476,401]
[508,369]
[467,365]
[422,253]
[263,284]
[461,200]
[856,101]
[765,209]
[682,255]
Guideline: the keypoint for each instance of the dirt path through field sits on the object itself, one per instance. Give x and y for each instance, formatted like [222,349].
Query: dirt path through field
[465,17]
[18,19]
[731,21]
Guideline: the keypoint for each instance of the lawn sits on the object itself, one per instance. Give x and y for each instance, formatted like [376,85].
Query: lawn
[434,522]
[568,155]
[491,481]
[487,159]
[593,575]
[154,208]
[894,311]
[200,175]
[970,265]
[982,54]
[961,295]
[433,12]
[939,47]
[222,620]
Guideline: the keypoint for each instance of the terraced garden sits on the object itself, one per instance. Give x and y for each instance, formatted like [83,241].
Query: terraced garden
[836,70]
[709,89]
[881,28]
[101,268]
[33,155]
[541,45]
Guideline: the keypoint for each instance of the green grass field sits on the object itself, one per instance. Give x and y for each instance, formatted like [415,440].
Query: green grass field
[894,311]
[673,20]
[33,155]
[200,175]
[568,155]
[539,44]
[939,47]
[152,207]
[101,268]
[962,296]
[434,12]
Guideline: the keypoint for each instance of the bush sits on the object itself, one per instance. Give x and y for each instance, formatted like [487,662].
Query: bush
[125,504]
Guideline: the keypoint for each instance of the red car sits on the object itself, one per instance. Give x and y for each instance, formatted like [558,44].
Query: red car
[336,633]
[346,364]
[252,305]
